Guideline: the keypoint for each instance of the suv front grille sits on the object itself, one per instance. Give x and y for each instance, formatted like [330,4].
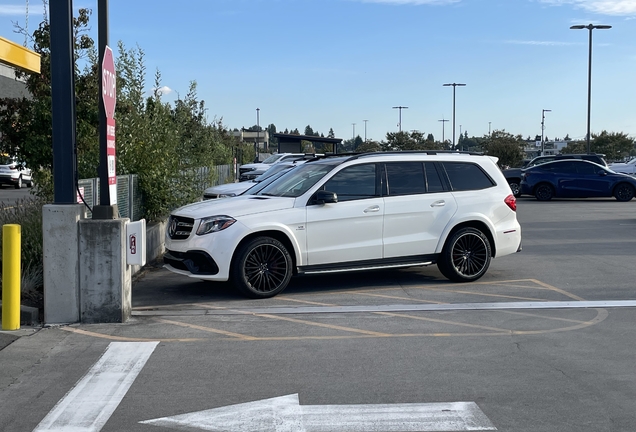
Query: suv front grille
[179,228]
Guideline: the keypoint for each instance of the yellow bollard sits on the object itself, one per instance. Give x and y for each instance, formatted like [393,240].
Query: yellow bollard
[11,245]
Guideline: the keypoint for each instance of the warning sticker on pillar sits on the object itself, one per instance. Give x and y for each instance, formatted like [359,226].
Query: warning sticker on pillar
[110,152]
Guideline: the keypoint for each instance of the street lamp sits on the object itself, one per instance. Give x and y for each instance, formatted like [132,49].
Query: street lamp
[258,134]
[443,120]
[454,85]
[543,111]
[400,121]
[365,130]
[590,27]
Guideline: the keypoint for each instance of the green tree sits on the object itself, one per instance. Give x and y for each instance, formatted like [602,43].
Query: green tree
[507,147]
[369,146]
[309,131]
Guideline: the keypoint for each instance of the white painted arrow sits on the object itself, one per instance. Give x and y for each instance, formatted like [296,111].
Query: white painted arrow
[285,414]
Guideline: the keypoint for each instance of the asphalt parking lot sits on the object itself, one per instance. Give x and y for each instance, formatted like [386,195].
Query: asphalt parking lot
[543,342]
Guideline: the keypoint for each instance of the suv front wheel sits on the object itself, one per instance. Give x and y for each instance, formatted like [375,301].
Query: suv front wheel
[466,255]
[262,268]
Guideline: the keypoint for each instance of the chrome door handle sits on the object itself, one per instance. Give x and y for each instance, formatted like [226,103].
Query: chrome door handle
[372,209]
[440,203]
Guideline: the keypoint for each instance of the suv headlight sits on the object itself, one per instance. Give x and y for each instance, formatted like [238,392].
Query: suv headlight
[214,224]
[227,195]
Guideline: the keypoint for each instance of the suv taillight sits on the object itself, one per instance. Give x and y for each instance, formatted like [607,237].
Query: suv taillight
[511,202]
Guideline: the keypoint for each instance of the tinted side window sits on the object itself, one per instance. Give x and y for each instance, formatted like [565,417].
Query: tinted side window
[585,168]
[354,182]
[405,178]
[433,181]
[466,176]
[561,167]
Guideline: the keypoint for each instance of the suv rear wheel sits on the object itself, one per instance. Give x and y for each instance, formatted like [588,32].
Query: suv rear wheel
[544,192]
[466,255]
[262,268]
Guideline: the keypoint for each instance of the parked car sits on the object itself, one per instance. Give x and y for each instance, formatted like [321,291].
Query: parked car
[576,178]
[233,189]
[14,173]
[347,213]
[625,168]
[513,175]
[253,170]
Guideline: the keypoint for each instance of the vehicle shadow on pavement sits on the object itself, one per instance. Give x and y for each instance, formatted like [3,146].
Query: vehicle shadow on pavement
[157,286]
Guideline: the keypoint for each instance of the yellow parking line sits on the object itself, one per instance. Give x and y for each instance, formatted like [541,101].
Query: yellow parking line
[124,338]
[305,301]
[451,291]
[553,288]
[209,329]
[542,316]
[601,315]
[397,297]
[494,329]
[330,326]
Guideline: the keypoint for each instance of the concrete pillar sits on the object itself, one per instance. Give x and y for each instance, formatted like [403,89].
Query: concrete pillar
[61,262]
[105,278]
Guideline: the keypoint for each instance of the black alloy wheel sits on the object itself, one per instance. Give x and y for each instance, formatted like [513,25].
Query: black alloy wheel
[262,268]
[544,192]
[466,255]
[624,192]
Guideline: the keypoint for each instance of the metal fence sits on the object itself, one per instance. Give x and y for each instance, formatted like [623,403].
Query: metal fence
[129,199]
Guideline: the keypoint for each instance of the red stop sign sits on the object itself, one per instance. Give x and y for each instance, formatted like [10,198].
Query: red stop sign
[109,83]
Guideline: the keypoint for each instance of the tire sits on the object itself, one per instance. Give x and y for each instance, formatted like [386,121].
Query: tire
[466,256]
[29,183]
[261,268]
[515,187]
[623,192]
[544,192]
[18,185]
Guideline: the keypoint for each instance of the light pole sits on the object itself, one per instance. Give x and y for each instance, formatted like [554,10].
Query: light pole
[365,130]
[543,111]
[590,27]
[460,137]
[454,85]
[443,120]
[400,108]
[258,134]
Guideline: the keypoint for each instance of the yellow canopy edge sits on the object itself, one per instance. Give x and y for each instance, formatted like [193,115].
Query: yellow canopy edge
[19,56]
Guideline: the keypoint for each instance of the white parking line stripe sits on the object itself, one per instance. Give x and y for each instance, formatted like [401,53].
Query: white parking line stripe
[90,403]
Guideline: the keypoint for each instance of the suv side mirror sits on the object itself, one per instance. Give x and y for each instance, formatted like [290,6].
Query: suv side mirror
[325,197]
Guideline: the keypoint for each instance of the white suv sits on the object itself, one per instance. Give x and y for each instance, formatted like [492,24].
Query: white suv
[347,213]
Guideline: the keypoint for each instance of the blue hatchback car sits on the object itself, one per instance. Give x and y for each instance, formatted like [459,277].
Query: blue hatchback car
[576,179]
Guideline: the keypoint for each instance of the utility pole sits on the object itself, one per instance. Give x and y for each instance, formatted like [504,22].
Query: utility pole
[365,130]
[543,111]
[400,108]
[443,120]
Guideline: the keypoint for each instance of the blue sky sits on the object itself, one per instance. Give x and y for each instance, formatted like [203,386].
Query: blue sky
[332,63]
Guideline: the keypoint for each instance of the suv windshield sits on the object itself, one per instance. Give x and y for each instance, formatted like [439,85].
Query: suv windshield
[272,159]
[298,181]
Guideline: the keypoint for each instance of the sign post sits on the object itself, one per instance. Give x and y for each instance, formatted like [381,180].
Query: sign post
[107,208]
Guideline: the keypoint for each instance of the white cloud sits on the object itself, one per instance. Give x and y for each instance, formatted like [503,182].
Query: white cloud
[12,10]
[602,7]
[162,91]
[412,2]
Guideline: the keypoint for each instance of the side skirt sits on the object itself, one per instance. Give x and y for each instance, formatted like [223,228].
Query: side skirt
[387,263]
